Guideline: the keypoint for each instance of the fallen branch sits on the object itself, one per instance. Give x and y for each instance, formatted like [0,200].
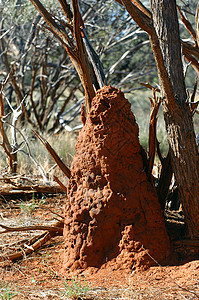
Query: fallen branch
[42,239]
[6,191]
[34,243]
[55,229]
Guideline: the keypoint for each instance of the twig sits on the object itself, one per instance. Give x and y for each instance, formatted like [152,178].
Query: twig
[43,238]
[179,286]
[29,153]
[149,86]
[60,183]
[53,212]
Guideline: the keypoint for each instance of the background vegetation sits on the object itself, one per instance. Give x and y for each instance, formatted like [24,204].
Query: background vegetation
[46,87]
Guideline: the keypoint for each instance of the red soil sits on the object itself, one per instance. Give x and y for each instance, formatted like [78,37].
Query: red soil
[112,214]
[38,275]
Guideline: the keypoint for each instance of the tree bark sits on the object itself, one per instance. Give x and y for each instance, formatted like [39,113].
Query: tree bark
[178,117]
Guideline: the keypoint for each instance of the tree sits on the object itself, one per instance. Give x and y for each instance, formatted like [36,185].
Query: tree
[40,69]
[38,58]
[163,30]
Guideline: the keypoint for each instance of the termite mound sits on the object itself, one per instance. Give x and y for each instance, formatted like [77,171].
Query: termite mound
[112,215]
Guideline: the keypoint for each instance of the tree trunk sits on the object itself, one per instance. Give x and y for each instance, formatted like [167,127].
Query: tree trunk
[178,118]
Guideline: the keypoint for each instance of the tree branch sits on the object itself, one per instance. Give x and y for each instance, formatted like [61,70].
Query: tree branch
[146,24]
[67,11]
[139,16]
[155,105]
[140,6]
[54,155]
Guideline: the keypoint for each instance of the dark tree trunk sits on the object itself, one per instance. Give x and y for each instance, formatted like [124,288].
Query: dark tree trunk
[178,118]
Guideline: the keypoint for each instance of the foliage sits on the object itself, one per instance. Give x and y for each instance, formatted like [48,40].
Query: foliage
[28,207]
[44,77]
[20,11]
[6,293]
[42,71]
[76,289]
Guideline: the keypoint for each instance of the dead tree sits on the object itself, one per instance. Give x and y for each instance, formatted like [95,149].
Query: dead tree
[74,46]
[37,76]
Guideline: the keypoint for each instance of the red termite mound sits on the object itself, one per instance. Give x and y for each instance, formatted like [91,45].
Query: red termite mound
[112,213]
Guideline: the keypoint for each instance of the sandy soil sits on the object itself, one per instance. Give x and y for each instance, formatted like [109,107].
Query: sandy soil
[40,276]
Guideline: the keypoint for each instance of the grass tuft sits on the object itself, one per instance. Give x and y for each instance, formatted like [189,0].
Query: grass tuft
[6,293]
[76,289]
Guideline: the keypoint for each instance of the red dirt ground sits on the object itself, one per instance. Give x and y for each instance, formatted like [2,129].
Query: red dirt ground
[39,276]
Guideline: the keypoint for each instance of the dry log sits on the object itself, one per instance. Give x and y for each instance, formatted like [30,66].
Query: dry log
[51,229]
[6,191]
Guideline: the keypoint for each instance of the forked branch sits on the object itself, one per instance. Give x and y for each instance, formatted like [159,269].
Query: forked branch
[145,22]
[74,46]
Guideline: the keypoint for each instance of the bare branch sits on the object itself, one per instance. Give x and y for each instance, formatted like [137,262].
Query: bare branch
[149,86]
[139,5]
[67,11]
[146,24]
[54,155]
[60,184]
[187,24]
[36,227]
[155,104]
[139,17]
